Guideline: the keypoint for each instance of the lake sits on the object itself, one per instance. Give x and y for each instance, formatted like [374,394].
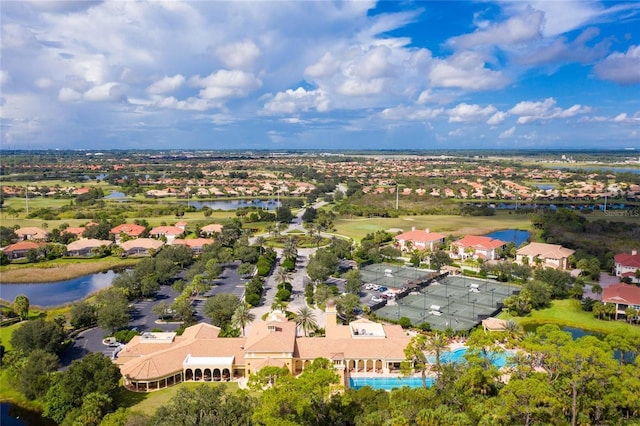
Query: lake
[60,292]
[517,236]
[227,205]
[11,415]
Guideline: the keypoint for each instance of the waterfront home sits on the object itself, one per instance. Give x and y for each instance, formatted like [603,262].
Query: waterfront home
[20,249]
[623,296]
[214,228]
[141,246]
[86,246]
[477,247]
[548,255]
[420,239]
[627,265]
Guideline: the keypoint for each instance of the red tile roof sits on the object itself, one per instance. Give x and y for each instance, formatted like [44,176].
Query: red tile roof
[420,235]
[22,246]
[621,293]
[479,242]
[630,260]
[131,229]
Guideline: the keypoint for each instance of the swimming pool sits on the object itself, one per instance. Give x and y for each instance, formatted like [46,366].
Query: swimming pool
[389,383]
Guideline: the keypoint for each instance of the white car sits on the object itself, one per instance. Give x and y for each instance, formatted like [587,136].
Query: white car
[377,299]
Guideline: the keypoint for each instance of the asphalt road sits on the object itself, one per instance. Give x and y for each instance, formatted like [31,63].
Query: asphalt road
[143,319]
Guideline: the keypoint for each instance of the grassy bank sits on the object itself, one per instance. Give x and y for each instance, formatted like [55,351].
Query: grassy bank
[59,269]
[357,228]
[569,313]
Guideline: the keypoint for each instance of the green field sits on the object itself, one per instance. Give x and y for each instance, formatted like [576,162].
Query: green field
[357,228]
[569,313]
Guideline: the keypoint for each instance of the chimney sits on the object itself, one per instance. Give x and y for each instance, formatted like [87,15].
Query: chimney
[427,230]
[634,252]
[332,317]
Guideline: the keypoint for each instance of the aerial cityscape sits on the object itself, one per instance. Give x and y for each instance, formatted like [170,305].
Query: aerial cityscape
[286,213]
[330,272]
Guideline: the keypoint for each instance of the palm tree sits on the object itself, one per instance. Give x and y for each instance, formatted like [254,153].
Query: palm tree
[596,289]
[437,344]
[260,242]
[282,276]
[242,316]
[306,320]
[279,305]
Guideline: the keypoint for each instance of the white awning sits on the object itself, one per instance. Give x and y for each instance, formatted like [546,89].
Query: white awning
[207,362]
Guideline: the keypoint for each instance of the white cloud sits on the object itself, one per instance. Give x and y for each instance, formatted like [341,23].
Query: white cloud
[190,104]
[238,55]
[224,84]
[292,101]
[621,68]
[466,70]
[529,112]
[497,118]
[105,92]
[465,113]
[67,94]
[507,133]
[515,30]
[325,67]
[166,84]
[44,83]
[402,113]
[4,77]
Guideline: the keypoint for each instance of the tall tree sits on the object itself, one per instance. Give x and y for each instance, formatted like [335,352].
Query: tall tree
[21,306]
[112,308]
[220,308]
[306,320]
[38,334]
[241,317]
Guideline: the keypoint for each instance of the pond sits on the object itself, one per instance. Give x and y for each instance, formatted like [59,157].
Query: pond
[227,205]
[115,195]
[517,236]
[60,292]
[11,415]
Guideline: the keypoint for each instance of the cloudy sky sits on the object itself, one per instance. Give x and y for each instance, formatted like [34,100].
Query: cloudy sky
[319,74]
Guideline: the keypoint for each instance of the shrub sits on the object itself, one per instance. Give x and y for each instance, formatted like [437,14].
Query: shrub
[404,322]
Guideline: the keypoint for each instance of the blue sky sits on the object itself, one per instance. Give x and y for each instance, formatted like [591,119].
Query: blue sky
[320,75]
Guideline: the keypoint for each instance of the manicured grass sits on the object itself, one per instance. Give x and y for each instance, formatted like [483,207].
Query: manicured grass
[569,313]
[357,228]
[6,333]
[148,403]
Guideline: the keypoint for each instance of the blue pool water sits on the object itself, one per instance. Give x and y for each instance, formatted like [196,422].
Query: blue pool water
[389,383]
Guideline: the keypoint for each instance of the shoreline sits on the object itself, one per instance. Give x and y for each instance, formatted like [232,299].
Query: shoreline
[52,273]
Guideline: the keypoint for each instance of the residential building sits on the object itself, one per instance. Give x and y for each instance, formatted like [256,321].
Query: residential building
[214,228]
[32,233]
[140,246]
[623,296]
[420,239]
[20,249]
[157,360]
[626,265]
[85,246]
[548,255]
[477,247]
[169,232]
[131,230]
[195,244]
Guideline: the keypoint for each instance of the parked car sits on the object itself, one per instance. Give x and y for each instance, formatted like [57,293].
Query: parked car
[377,299]
[381,289]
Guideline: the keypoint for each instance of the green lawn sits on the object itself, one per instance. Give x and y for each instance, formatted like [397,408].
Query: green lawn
[569,313]
[6,333]
[148,403]
[357,228]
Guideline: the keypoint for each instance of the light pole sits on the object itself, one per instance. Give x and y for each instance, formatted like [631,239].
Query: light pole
[473,312]
[492,293]
[449,303]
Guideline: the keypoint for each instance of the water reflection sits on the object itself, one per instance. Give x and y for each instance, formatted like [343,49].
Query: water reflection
[60,292]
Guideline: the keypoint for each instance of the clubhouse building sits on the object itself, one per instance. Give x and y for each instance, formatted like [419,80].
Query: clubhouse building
[155,361]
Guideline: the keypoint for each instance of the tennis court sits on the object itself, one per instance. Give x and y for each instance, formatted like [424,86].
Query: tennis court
[454,301]
[393,276]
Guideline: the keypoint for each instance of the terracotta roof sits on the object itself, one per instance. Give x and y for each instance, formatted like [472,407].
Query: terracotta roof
[547,251]
[166,230]
[33,231]
[630,260]
[420,235]
[22,246]
[621,293]
[273,336]
[146,243]
[478,242]
[130,229]
[87,243]
[193,242]
[214,227]
[75,230]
